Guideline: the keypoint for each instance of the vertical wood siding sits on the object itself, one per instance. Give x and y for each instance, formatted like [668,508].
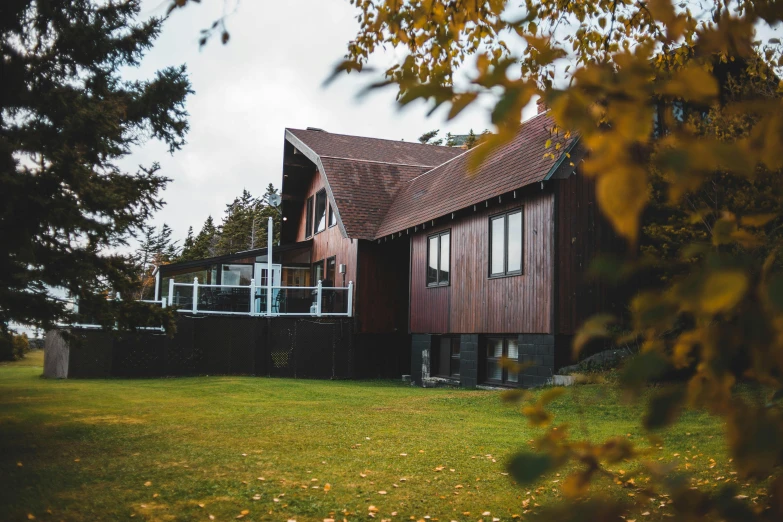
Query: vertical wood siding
[582,233]
[329,242]
[382,292]
[474,303]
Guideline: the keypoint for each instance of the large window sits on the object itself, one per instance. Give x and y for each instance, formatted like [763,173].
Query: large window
[236,274]
[505,244]
[438,259]
[497,349]
[445,362]
[320,211]
[309,217]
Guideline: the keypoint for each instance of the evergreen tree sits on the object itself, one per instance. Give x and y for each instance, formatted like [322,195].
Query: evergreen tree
[428,137]
[470,141]
[66,119]
[204,245]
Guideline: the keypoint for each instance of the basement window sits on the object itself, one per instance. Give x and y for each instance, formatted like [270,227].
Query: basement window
[497,349]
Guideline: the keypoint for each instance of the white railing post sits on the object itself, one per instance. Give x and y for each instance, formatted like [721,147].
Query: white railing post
[195,295]
[117,297]
[171,291]
[318,299]
[163,302]
[252,297]
[157,284]
[270,235]
[350,299]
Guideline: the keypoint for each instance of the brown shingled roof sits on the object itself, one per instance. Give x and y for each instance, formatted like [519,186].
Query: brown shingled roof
[327,144]
[365,174]
[451,187]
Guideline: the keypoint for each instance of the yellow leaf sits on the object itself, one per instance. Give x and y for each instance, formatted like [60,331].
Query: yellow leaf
[622,195]
[723,290]
[148,483]
[327,487]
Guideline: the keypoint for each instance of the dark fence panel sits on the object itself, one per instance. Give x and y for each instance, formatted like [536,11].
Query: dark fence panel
[221,345]
[90,354]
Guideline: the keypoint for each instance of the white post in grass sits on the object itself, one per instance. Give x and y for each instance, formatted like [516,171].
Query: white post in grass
[350,299]
[318,299]
[270,234]
[171,291]
[194,308]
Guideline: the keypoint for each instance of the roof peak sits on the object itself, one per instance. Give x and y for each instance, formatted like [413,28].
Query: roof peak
[315,129]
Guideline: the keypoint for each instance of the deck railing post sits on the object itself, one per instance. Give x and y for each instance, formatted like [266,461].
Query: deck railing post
[318,299]
[163,302]
[350,299]
[270,235]
[252,297]
[171,291]
[194,308]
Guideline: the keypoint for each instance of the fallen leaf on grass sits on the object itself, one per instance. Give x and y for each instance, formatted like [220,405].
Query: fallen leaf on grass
[212,517]
[148,483]
[403,454]
[327,487]
[30,516]
[372,509]
[201,505]
[381,492]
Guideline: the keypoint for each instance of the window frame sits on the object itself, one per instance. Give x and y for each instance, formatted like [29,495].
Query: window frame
[315,212]
[331,219]
[504,371]
[314,279]
[454,340]
[309,217]
[438,283]
[221,265]
[506,272]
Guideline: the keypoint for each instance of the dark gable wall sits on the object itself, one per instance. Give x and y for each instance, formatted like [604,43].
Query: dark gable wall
[473,303]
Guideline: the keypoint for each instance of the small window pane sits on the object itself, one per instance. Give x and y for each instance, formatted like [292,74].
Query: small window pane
[320,211]
[494,371]
[444,258]
[497,251]
[309,217]
[432,264]
[495,348]
[512,376]
[455,347]
[513,349]
[515,242]
[332,217]
[454,366]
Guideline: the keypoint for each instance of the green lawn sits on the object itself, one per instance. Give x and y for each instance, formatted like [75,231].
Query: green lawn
[188,448]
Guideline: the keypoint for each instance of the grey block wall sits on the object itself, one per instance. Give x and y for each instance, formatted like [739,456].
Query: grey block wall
[420,357]
[468,360]
[537,352]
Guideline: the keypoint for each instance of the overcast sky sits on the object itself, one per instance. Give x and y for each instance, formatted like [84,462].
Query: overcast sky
[270,76]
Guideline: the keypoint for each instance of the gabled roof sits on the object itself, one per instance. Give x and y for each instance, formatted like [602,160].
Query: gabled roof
[452,186]
[363,175]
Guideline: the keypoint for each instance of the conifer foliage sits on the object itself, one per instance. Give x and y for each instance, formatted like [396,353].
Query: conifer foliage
[66,119]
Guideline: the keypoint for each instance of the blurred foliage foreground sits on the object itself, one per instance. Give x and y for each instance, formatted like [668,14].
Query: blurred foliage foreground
[679,110]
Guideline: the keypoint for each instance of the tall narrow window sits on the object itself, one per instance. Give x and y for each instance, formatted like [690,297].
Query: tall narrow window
[332,216]
[505,244]
[497,349]
[320,211]
[438,259]
[309,217]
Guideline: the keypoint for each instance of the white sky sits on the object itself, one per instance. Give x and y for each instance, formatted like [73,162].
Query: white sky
[269,77]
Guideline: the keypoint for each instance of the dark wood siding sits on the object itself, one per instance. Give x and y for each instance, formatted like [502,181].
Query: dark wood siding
[582,232]
[474,303]
[329,242]
[382,287]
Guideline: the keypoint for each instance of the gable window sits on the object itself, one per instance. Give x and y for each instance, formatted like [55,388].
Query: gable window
[438,259]
[332,217]
[497,348]
[505,244]
[446,360]
[320,211]
[309,217]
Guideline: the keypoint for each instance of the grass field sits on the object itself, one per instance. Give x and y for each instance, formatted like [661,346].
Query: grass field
[277,449]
